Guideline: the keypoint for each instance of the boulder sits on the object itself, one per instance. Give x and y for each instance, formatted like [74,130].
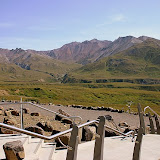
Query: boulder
[123,124]
[63,113]
[131,128]
[55,132]
[48,127]
[65,120]
[107,117]
[109,133]
[15,112]
[64,139]
[35,129]
[1,108]
[7,113]
[14,150]
[10,121]
[6,131]
[41,124]
[35,114]
[120,111]
[26,110]
[88,133]
[58,118]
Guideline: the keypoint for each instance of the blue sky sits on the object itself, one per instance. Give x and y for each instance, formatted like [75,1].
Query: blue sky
[48,24]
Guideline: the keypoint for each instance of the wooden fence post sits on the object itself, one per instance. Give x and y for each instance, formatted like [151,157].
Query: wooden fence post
[141,118]
[99,141]
[157,124]
[151,124]
[73,144]
[137,147]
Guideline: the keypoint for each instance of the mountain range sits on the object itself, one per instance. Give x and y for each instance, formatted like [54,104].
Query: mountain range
[126,57]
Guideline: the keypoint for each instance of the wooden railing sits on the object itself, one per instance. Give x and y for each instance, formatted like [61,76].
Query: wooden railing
[99,140]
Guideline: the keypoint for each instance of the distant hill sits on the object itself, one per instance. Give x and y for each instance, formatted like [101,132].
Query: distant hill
[126,57]
[141,61]
[79,52]
[24,65]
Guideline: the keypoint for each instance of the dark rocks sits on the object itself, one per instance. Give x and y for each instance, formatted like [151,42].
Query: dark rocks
[63,113]
[6,131]
[65,120]
[88,133]
[14,112]
[58,118]
[123,124]
[107,117]
[14,150]
[26,110]
[40,124]
[120,111]
[48,127]
[7,113]
[9,121]
[131,128]
[61,118]
[35,129]
[35,114]
[109,133]
[64,138]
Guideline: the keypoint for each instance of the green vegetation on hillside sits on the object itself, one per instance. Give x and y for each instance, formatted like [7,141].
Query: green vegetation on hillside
[114,95]
[141,61]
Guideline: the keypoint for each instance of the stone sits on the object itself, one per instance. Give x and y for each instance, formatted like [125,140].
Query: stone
[7,113]
[26,110]
[123,124]
[109,133]
[9,121]
[15,112]
[1,108]
[88,133]
[55,132]
[35,129]
[14,150]
[48,127]
[130,128]
[107,117]
[6,131]
[63,113]
[35,114]
[41,124]
[58,118]
[64,139]
[65,120]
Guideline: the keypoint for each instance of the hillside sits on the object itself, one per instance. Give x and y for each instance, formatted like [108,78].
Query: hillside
[27,65]
[79,52]
[126,57]
[141,61]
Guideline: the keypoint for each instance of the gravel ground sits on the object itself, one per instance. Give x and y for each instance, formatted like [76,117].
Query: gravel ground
[132,120]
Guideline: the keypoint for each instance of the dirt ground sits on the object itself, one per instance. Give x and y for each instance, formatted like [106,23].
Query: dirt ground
[132,120]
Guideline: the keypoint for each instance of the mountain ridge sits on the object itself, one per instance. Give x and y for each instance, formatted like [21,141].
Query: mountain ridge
[71,57]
